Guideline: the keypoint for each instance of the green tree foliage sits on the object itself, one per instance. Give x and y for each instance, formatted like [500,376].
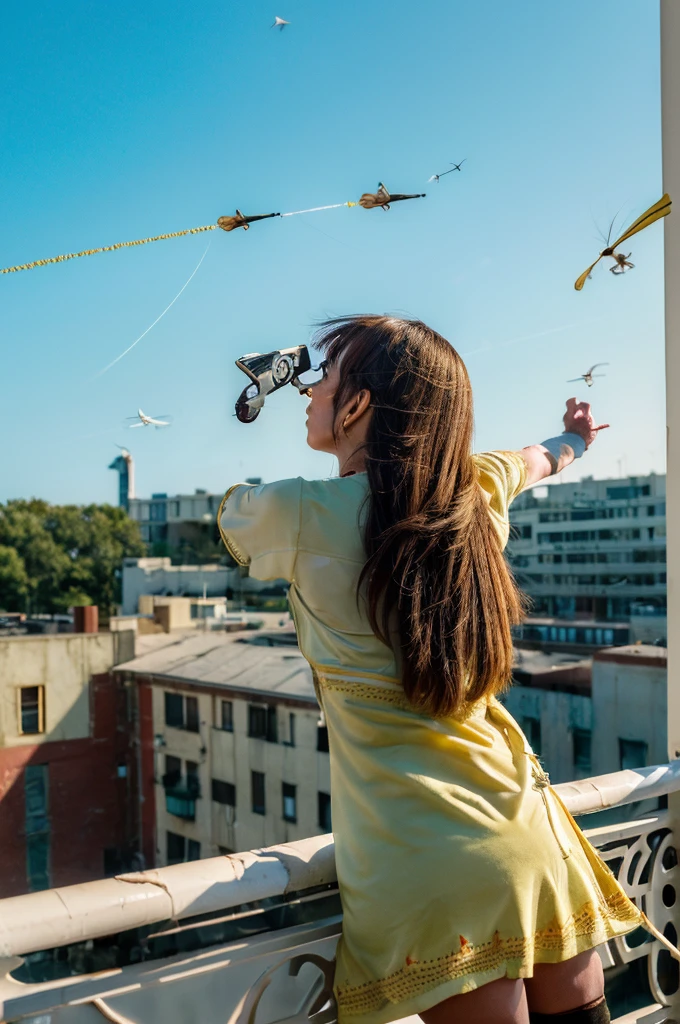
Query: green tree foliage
[55,556]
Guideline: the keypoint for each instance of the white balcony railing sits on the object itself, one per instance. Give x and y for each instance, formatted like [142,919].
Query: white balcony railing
[166,943]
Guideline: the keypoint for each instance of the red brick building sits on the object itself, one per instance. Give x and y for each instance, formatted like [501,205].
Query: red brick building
[69,761]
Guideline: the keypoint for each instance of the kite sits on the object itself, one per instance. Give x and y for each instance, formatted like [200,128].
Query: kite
[240,221]
[454,167]
[382,197]
[588,375]
[279,23]
[621,262]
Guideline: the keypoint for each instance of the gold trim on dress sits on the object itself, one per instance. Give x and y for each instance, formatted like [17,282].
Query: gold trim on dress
[419,976]
[229,545]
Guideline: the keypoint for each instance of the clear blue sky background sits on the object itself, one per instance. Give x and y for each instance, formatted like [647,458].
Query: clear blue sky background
[123,120]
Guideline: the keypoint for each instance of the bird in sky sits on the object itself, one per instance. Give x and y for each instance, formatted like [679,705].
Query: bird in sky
[147,421]
[453,167]
[279,23]
[589,375]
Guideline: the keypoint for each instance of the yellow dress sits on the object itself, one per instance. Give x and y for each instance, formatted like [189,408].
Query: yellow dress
[457,864]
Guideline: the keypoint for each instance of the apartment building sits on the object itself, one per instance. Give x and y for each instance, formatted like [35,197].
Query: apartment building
[67,768]
[233,746]
[595,549]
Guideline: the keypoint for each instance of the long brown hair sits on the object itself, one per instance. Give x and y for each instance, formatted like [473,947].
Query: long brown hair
[433,554]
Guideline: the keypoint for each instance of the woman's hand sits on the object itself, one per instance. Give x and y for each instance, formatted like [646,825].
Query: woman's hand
[578,419]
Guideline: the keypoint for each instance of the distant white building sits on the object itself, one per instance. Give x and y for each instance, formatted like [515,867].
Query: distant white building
[593,549]
[160,578]
[178,520]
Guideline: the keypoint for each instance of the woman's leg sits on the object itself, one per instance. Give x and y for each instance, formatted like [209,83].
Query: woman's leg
[558,988]
[500,1002]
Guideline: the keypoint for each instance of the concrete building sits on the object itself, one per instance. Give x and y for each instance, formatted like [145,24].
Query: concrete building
[179,522]
[67,773]
[630,707]
[593,549]
[158,577]
[234,751]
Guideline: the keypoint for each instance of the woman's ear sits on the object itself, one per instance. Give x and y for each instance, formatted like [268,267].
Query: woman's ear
[356,408]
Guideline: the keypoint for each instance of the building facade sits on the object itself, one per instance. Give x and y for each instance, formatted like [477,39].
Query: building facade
[234,748]
[595,549]
[68,802]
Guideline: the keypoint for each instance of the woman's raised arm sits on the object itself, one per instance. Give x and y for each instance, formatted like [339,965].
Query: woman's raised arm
[551,456]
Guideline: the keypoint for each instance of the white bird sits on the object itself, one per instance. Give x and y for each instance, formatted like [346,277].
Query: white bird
[279,23]
[147,421]
[588,375]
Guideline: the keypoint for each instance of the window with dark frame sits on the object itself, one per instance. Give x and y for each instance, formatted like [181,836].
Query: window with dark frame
[272,725]
[173,771]
[31,705]
[174,710]
[322,739]
[227,716]
[290,742]
[257,792]
[193,849]
[224,792]
[257,721]
[193,779]
[289,795]
[175,848]
[324,809]
[581,740]
[191,710]
[632,753]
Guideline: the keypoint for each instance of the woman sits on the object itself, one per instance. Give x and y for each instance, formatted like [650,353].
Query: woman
[468,892]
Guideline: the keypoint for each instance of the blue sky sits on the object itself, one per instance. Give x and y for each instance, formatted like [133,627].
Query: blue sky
[127,120]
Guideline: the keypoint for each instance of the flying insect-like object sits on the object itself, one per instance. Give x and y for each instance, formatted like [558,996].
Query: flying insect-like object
[589,375]
[147,421]
[453,167]
[239,220]
[382,197]
[279,23]
[622,263]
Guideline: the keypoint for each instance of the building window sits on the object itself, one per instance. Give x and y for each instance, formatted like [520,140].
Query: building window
[531,727]
[290,742]
[262,722]
[227,716]
[37,826]
[174,710]
[257,792]
[173,771]
[322,739]
[582,751]
[193,850]
[288,793]
[193,779]
[175,847]
[632,753]
[325,822]
[224,792]
[181,712]
[31,710]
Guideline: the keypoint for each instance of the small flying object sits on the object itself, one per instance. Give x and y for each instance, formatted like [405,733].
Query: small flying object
[241,221]
[279,23]
[622,263]
[147,421]
[453,167]
[589,375]
[382,197]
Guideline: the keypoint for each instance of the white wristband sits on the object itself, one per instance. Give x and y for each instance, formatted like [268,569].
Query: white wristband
[554,445]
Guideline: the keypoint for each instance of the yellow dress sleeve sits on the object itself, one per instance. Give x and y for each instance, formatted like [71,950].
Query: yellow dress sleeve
[260,527]
[502,475]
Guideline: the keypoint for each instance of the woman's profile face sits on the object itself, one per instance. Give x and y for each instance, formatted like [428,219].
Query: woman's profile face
[321,414]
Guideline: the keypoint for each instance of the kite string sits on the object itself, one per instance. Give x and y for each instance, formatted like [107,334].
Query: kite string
[130,347]
[106,248]
[315,209]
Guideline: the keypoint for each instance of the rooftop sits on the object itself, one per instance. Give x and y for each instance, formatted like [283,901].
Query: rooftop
[268,663]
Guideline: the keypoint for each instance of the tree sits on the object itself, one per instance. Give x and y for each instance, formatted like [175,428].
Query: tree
[64,555]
